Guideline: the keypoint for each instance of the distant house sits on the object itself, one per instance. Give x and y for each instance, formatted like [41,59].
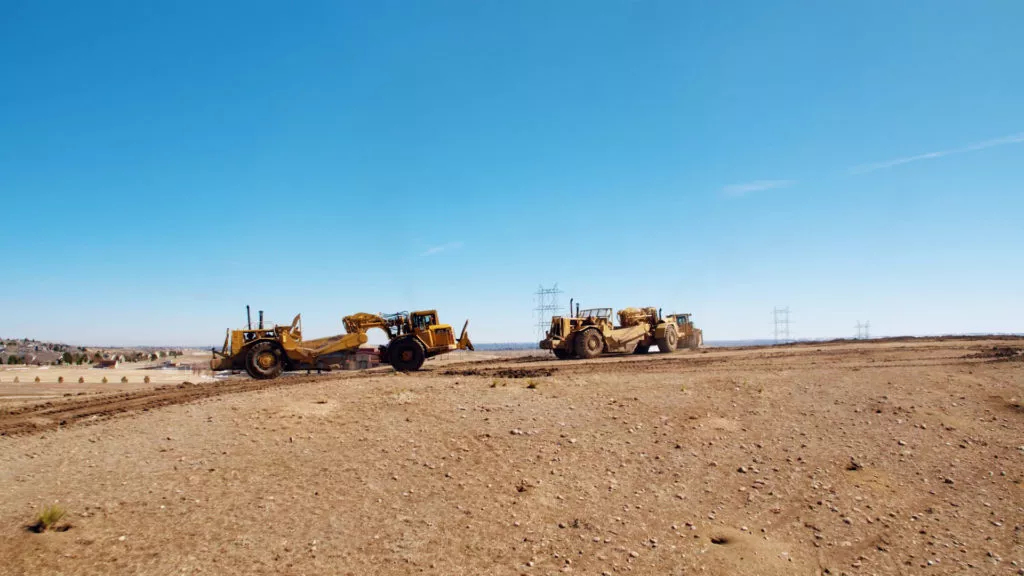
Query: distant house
[363,358]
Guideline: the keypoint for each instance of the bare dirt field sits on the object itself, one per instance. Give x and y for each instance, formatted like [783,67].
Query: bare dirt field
[896,457]
[18,383]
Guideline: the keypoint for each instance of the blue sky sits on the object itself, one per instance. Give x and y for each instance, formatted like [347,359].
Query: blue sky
[163,164]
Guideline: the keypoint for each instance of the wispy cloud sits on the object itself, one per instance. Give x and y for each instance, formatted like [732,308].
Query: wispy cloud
[756,186]
[1011,139]
[441,248]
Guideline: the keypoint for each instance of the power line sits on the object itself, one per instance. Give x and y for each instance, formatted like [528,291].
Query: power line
[780,316]
[547,306]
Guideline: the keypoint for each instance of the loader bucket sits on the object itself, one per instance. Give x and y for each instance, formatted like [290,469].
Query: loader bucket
[220,363]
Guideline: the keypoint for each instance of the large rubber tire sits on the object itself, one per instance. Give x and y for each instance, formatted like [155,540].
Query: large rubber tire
[264,361]
[668,343]
[641,349]
[562,354]
[406,355]
[589,344]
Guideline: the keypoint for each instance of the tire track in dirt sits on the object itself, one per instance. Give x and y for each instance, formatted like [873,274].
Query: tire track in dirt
[56,414]
[39,417]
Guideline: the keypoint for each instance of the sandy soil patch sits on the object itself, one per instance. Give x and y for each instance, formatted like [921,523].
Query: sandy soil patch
[897,458]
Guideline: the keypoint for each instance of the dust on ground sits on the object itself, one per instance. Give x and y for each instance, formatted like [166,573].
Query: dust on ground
[900,457]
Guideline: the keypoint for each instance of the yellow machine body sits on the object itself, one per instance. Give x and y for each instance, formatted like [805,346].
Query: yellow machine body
[266,352]
[590,333]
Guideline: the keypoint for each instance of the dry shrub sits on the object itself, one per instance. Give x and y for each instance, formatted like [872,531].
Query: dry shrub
[81,379]
[146,379]
[60,379]
[47,518]
[124,379]
[37,379]
[104,379]
[16,380]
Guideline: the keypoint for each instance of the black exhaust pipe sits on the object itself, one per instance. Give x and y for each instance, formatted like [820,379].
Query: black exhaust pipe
[570,307]
[261,319]
[248,317]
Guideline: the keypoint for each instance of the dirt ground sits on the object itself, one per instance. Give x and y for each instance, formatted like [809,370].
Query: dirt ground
[18,383]
[896,457]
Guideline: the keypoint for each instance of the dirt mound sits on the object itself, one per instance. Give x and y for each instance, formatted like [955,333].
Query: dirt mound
[531,358]
[999,353]
[502,372]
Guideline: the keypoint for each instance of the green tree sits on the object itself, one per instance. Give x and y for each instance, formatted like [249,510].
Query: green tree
[12,359]
[66,358]
[152,357]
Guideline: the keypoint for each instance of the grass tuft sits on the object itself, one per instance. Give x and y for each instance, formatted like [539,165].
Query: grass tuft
[531,384]
[48,517]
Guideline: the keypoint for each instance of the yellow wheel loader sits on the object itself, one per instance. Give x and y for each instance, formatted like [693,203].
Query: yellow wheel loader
[412,337]
[590,333]
[689,336]
[266,352]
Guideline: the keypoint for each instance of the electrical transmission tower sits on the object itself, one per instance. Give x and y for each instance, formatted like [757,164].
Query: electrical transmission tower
[864,330]
[781,317]
[547,306]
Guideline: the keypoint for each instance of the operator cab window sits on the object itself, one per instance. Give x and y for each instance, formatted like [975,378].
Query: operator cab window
[425,321]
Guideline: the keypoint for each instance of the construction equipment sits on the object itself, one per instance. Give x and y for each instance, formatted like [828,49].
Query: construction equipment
[266,352]
[412,337]
[590,333]
[689,336]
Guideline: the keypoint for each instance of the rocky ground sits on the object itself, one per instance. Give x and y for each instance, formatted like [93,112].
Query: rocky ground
[899,457]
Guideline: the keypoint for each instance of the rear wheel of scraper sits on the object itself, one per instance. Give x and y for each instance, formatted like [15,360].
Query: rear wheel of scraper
[407,355]
[263,361]
[562,354]
[641,349]
[668,343]
[589,344]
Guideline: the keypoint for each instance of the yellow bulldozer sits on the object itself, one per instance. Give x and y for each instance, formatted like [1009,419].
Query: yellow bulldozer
[591,332]
[266,352]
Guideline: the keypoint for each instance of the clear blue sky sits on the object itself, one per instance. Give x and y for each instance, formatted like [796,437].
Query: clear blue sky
[164,163]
